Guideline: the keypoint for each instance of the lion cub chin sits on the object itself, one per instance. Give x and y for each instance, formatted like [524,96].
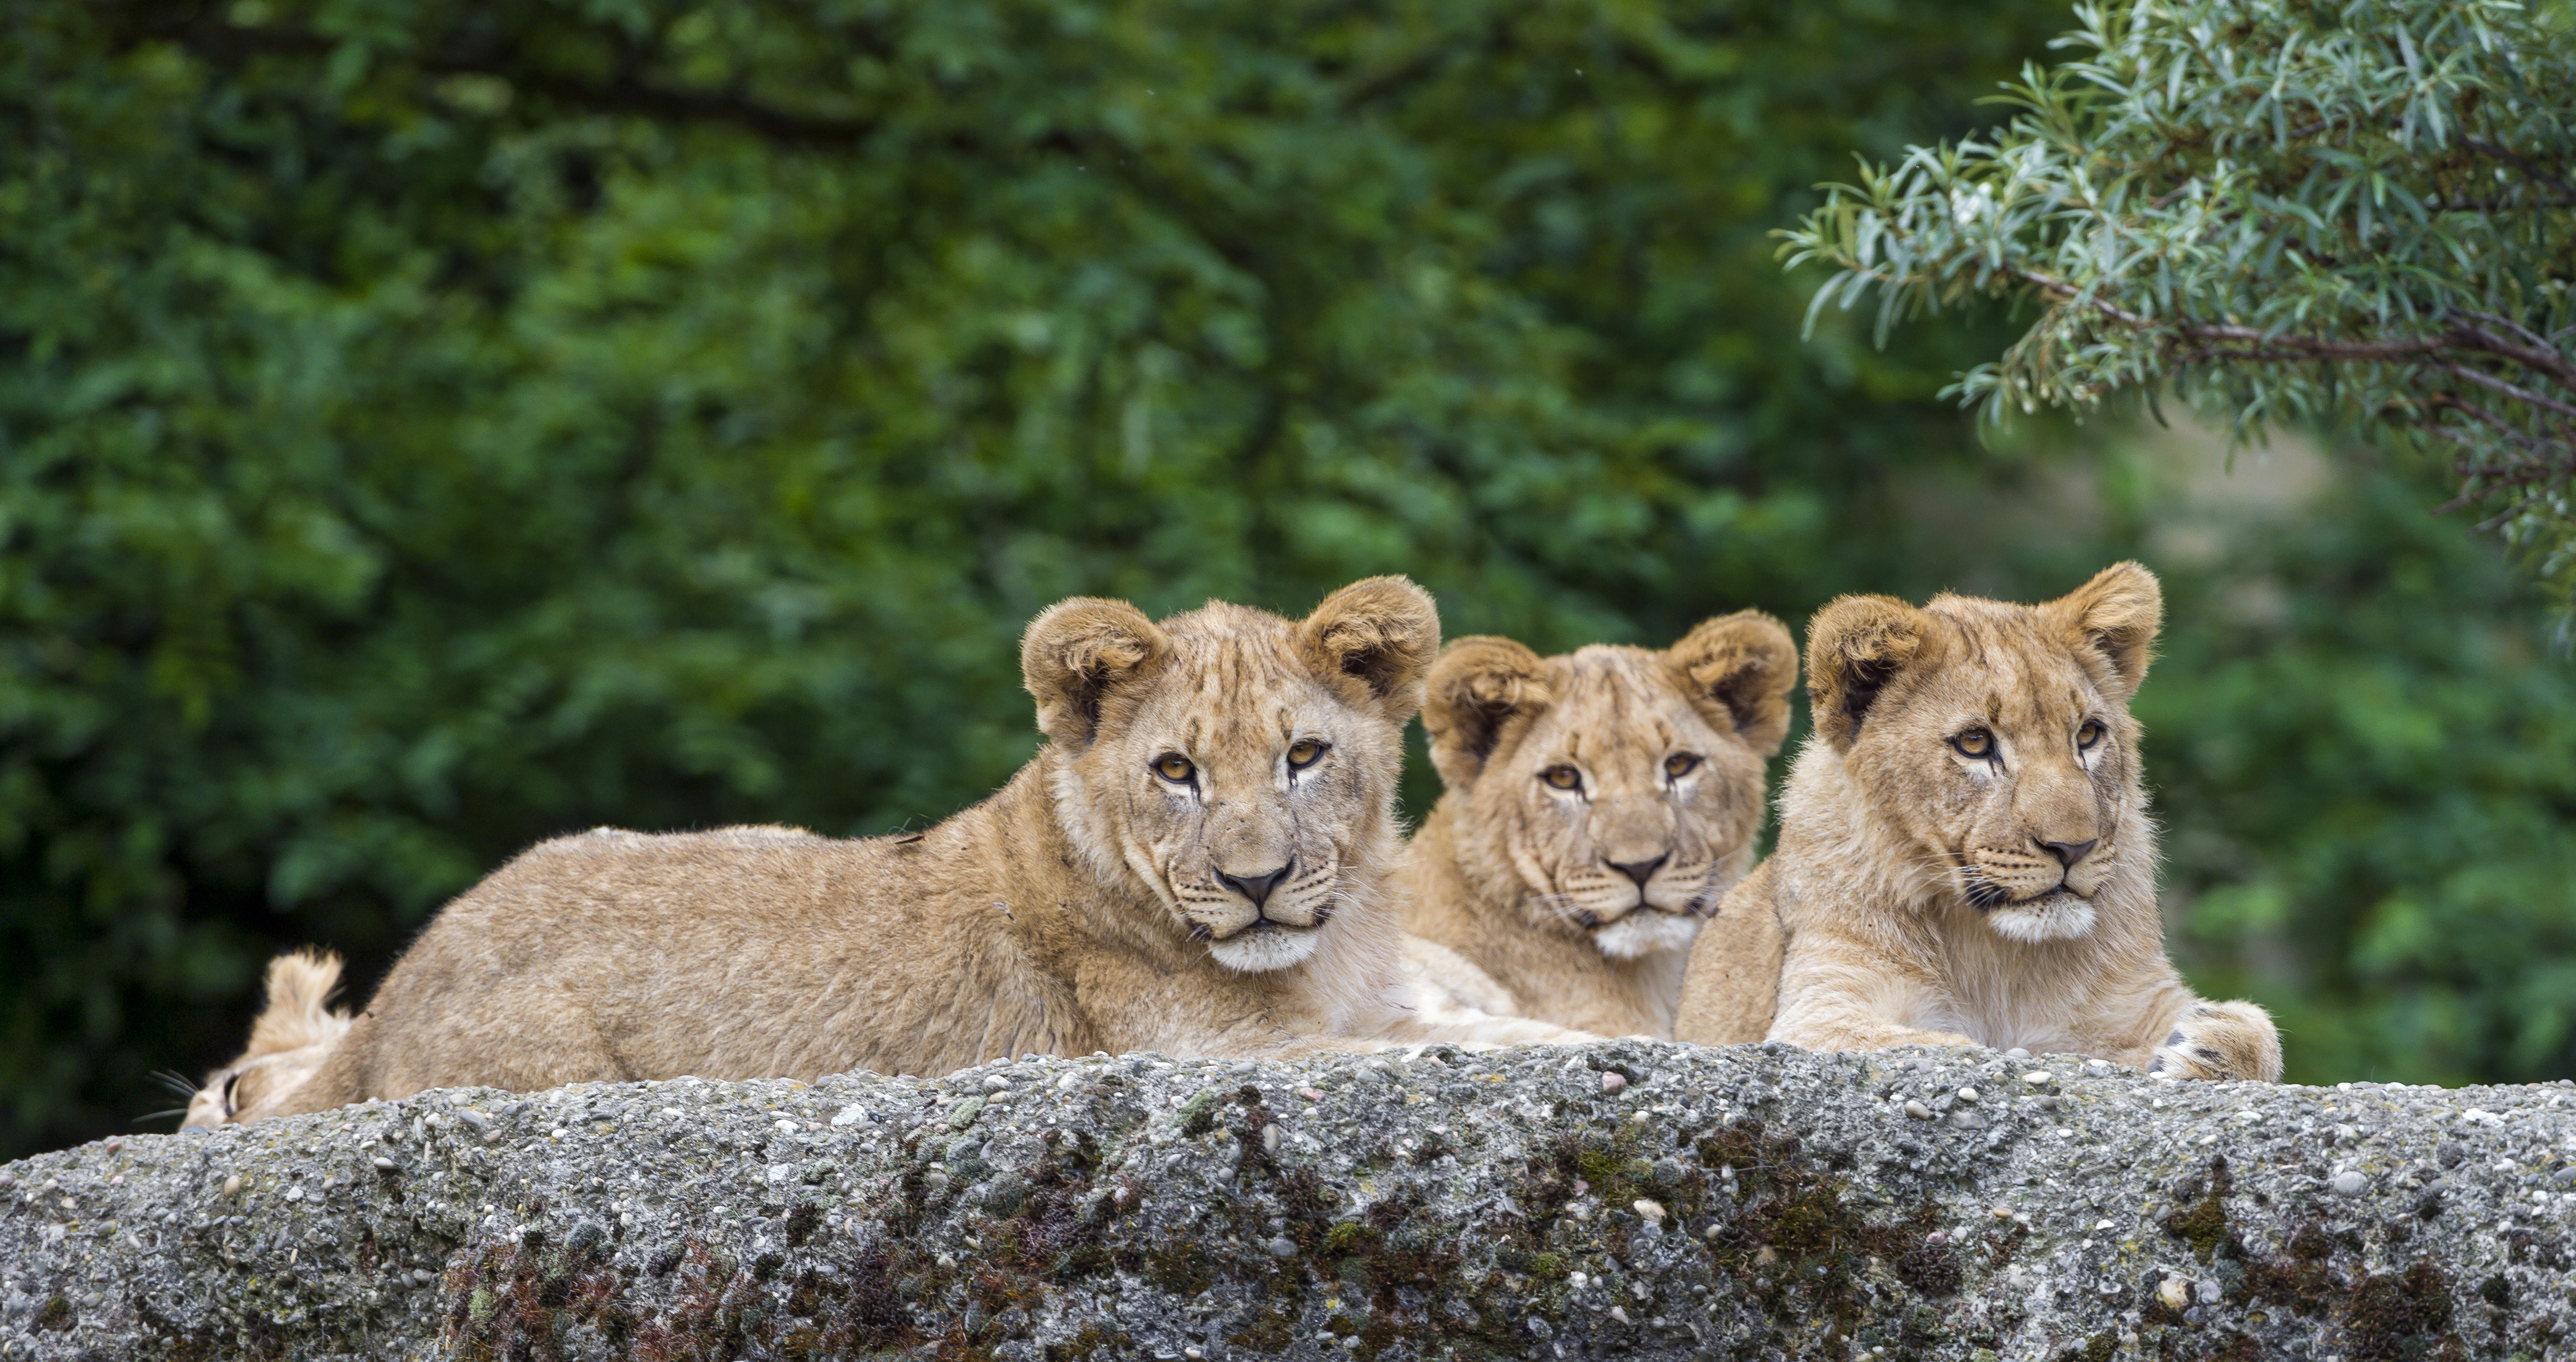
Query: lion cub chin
[1195,864]
[1965,852]
[1599,805]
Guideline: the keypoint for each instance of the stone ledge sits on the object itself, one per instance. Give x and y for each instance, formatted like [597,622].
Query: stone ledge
[1627,1197]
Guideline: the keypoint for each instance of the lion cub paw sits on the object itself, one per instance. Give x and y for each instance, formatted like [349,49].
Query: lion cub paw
[2220,1041]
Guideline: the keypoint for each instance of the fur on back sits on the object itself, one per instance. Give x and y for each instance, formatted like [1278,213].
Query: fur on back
[294,1032]
[1195,863]
[1966,855]
[1599,805]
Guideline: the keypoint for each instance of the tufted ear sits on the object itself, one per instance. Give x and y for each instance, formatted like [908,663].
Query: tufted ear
[1855,645]
[1075,652]
[1478,686]
[1739,669]
[1381,634]
[2112,621]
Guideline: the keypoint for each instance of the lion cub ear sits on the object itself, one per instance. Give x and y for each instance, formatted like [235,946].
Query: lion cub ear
[1075,652]
[2112,620]
[1478,686]
[1375,638]
[1855,646]
[1738,668]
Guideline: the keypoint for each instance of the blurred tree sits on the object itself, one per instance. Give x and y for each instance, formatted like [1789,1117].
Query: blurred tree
[424,429]
[2366,756]
[2358,213]
[427,428]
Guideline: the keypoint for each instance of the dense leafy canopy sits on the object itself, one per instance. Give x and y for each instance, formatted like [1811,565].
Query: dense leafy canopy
[424,429]
[2291,211]
[428,428]
[2365,761]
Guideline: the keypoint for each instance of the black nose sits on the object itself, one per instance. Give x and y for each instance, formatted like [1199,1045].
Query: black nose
[1255,887]
[2068,853]
[1641,871]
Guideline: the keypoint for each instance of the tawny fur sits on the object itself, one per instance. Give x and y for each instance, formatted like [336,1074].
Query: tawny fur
[1513,889]
[294,1033]
[1080,908]
[1923,900]
[1732,989]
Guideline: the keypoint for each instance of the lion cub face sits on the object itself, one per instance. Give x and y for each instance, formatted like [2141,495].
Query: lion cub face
[1613,792]
[295,1032]
[1995,737]
[1241,765]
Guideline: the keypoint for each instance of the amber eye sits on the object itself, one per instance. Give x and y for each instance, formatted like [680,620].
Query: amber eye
[1175,768]
[1680,764]
[1304,754]
[1976,742]
[2089,734]
[1562,777]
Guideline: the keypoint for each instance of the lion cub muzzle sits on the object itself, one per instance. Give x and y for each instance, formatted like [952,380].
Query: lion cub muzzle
[1273,906]
[2046,840]
[1265,920]
[1255,887]
[1997,876]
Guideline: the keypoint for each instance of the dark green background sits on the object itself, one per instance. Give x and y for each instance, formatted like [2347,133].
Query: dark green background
[427,428]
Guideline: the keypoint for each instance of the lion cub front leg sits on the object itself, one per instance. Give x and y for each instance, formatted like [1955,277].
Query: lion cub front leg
[2220,1041]
[1842,995]
[1850,1029]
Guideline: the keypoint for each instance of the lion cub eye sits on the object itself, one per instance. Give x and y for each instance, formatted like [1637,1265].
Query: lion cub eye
[1976,743]
[1175,768]
[1562,777]
[1680,764]
[1304,754]
[2089,734]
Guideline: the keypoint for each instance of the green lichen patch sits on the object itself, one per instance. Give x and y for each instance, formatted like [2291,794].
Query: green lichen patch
[1198,1115]
[2203,1224]
[2302,1278]
[1048,1222]
[2097,1348]
[522,1300]
[1092,1339]
[517,1298]
[1268,1331]
[2400,1316]
[1781,1225]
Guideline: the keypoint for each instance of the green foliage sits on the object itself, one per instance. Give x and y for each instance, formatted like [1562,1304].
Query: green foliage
[2292,211]
[2367,767]
[427,428]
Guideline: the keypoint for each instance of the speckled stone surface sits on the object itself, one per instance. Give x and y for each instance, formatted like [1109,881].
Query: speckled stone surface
[1625,1198]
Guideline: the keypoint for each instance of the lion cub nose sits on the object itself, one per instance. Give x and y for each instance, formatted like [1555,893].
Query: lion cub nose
[1641,871]
[1255,887]
[2068,853]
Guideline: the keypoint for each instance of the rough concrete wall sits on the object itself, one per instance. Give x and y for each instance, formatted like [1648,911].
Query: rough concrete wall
[1627,1198]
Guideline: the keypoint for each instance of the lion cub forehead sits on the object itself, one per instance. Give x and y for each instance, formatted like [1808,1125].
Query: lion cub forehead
[1614,695]
[1235,673]
[2006,661]
[1220,644]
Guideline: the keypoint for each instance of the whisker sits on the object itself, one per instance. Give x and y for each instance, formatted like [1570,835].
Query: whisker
[176,1082]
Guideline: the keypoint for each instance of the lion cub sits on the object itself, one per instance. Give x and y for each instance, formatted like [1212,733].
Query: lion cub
[1965,852]
[1195,863]
[1599,805]
[294,1034]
